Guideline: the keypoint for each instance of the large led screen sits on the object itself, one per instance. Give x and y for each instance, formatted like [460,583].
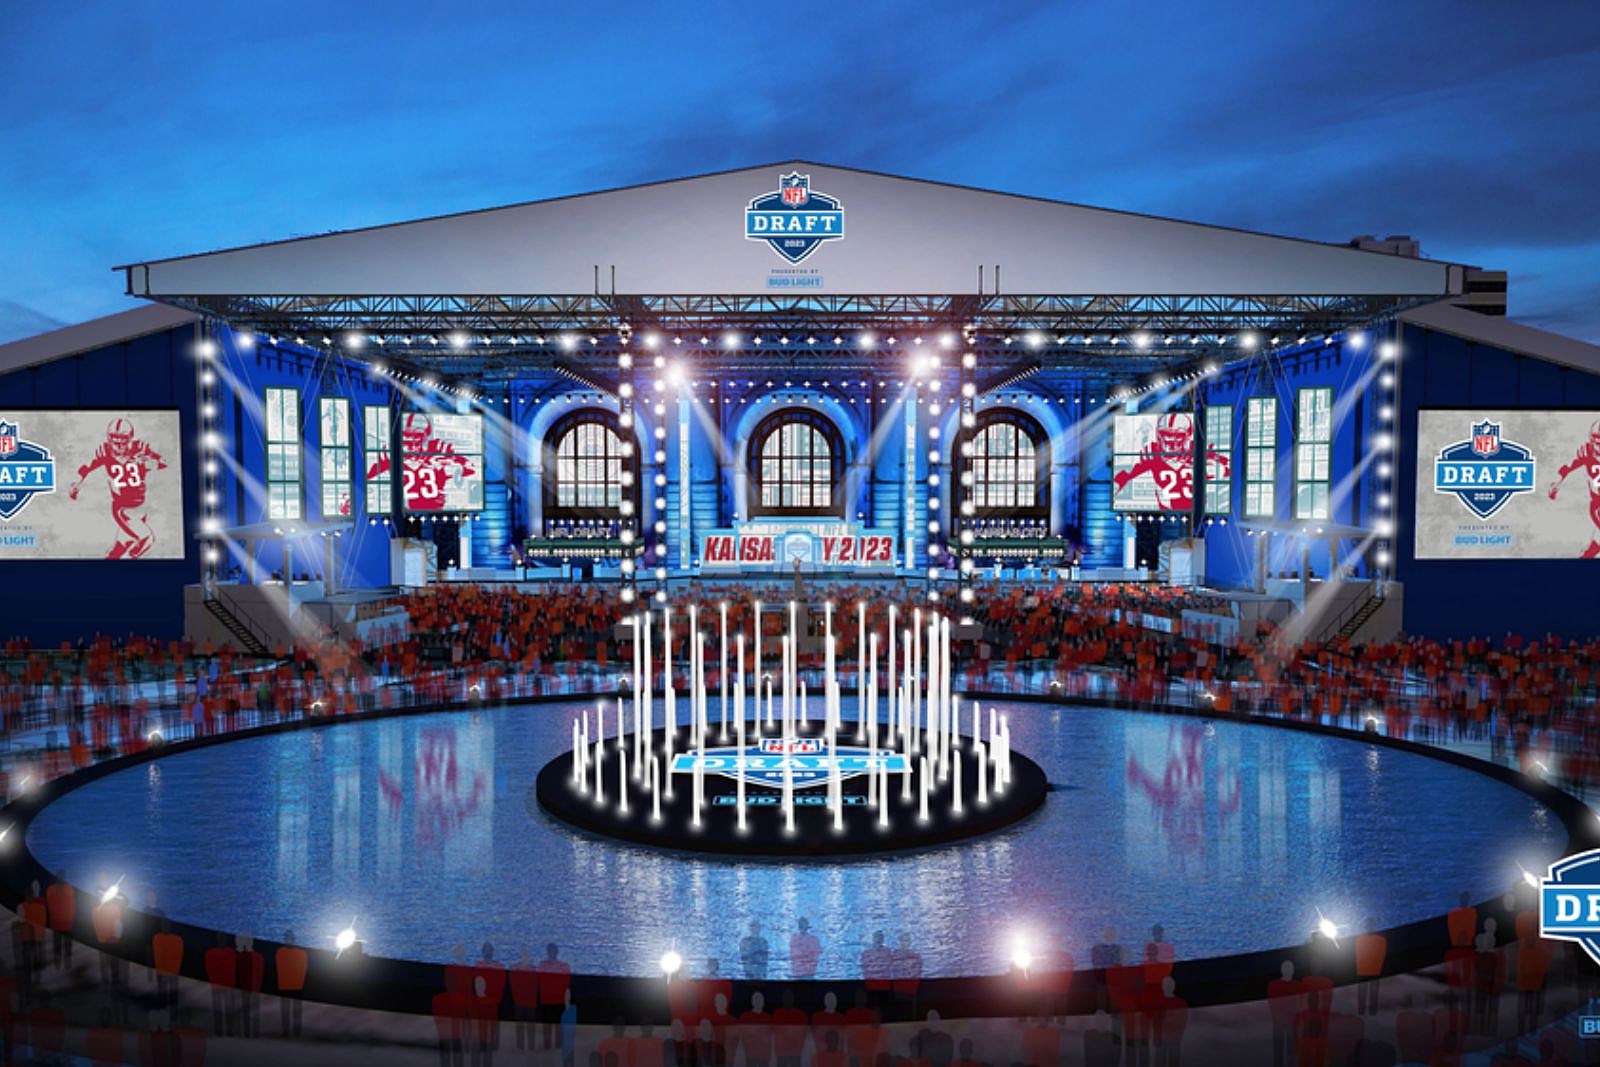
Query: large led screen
[90,485]
[442,461]
[1508,484]
[1152,462]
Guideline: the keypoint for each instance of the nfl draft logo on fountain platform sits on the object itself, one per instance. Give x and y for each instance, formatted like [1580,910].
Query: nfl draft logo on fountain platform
[795,219]
[1484,471]
[1569,902]
[26,470]
[763,762]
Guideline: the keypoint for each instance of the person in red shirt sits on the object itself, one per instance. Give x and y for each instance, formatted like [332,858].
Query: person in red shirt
[555,981]
[804,951]
[251,969]
[127,462]
[222,971]
[493,974]
[1170,1024]
[1285,1002]
[877,969]
[790,1026]
[61,901]
[755,1032]
[523,981]
[1041,1043]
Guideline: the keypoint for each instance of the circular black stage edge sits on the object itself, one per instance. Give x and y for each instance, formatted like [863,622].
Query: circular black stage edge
[765,834]
[379,984]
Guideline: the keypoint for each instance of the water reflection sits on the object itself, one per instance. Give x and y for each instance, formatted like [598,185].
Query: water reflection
[1157,819]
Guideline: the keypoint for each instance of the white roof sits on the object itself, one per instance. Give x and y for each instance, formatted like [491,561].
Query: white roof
[902,236]
[1499,332]
[86,336]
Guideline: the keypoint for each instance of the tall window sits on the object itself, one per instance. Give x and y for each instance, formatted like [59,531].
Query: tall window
[283,453]
[1313,451]
[1261,457]
[797,463]
[1006,461]
[335,453]
[375,426]
[588,467]
[1219,459]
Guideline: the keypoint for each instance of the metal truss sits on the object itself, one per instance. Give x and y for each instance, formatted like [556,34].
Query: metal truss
[489,337]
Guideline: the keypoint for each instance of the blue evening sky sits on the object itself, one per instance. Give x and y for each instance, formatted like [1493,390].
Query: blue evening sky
[133,130]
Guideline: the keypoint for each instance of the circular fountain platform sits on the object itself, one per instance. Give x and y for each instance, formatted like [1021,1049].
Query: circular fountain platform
[861,828]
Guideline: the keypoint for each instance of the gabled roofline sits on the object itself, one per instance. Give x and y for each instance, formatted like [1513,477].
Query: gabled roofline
[766,166]
[83,337]
[1447,318]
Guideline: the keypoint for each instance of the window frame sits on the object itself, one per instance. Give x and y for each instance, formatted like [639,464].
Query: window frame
[825,431]
[1027,429]
[375,448]
[1219,445]
[627,457]
[335,452]
[1258,455]
[1314,452]
[285,497]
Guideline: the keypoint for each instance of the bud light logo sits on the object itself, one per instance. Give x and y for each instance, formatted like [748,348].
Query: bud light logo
[1569,902]
[26,470]
[794,219]
[1484,471]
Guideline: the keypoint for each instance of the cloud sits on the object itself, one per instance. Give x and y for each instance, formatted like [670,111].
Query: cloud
[18,321]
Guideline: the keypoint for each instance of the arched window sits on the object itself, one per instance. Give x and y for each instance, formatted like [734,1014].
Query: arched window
[1005,459]
[589,468]
[796,465]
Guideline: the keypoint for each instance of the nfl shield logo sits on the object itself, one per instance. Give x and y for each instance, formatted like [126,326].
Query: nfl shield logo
[1486,438]
[1569,902]
[8,439]
[795,189]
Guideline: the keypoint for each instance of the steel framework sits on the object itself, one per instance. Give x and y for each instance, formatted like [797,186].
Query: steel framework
[496,337]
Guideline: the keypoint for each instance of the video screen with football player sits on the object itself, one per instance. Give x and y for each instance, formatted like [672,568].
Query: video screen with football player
[441,458]
[90,485]
[1152,462]
[1517,484]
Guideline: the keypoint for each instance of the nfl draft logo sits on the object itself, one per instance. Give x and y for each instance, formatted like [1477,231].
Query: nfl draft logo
[26,470]
[807,760]
[795,219]
[1484,471]
[1569,902]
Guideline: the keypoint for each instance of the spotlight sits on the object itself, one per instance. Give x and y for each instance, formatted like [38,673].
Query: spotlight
[671,962]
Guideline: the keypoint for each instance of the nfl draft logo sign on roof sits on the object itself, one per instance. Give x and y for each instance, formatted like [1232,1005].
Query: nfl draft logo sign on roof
[1484,471]
[794,219]
[26,470]
[1569,902]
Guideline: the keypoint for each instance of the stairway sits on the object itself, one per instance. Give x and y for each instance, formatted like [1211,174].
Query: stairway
[241,631]
[1369,607]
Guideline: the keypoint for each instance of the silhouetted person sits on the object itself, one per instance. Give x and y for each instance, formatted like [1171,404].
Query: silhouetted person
[753,952]
[804,951]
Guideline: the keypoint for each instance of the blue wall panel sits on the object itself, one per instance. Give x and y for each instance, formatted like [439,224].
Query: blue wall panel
[1486,598]
[69,600]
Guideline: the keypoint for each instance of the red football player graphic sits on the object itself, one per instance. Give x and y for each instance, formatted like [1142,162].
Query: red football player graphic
[1588,458]
[427,464]
[1169,460]
[127,462]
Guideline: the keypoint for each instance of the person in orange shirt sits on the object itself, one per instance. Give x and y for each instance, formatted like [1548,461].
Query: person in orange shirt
[829,1053]
[1462,922]
[166,957]
[790,1026]
[222,971]
[1041,1043]
[1533,965]
[289,963]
